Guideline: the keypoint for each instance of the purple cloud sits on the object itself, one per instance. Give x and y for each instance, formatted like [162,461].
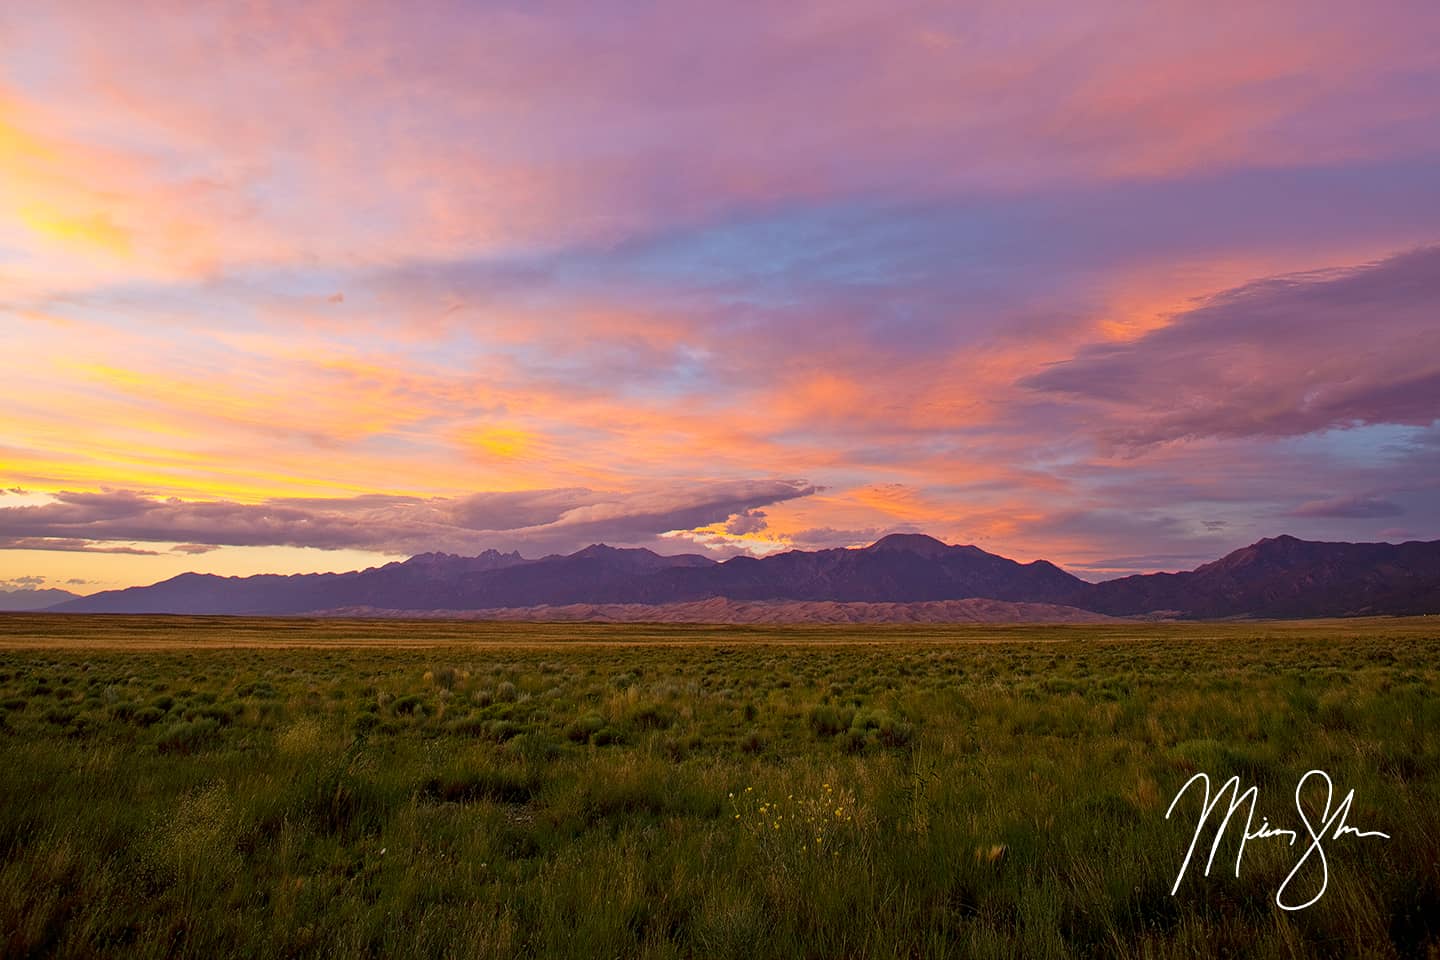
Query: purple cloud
[70,545]
[517,509]
[1285,356]
[1356,507]
[554,520]
[822,538]
[747,521]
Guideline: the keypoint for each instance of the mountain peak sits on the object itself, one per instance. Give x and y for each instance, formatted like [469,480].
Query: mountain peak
[1272,549]
[431,557]
[439,557]
[600,550]
[918,543]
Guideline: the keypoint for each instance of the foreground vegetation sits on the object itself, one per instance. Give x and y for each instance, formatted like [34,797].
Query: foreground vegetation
[224,787]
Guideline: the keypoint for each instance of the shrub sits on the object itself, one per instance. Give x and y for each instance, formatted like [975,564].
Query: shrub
[653,716]
[187,736]
[471,726]
[606,736]
[585,727]
[532,747]
[260,689]
[827,721]
[147,716]
[502,785]
[409,704]
[220,714]
[82,726]
[887,730]
[895,733]
[336,801]
[501,730]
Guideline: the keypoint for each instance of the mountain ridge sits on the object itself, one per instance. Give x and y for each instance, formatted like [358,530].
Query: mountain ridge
[1274,577]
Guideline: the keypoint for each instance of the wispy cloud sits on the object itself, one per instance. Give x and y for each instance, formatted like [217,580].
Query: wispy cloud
[71,545]
[1357,507]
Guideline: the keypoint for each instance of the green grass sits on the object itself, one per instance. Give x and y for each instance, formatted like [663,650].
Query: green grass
[241,788]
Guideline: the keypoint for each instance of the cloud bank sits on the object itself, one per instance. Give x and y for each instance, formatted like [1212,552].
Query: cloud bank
[536,521]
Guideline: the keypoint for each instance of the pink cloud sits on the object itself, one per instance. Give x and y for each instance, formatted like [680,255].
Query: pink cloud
[498,129]
[1278,357]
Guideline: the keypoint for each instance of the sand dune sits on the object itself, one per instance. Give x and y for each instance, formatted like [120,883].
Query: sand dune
[720,610]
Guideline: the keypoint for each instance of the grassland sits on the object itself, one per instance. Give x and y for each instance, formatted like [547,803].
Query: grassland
[258,788]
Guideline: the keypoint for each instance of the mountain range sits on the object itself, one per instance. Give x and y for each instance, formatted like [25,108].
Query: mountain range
[1275,577]
[31,599]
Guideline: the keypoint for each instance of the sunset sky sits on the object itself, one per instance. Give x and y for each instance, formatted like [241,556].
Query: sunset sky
[311,286]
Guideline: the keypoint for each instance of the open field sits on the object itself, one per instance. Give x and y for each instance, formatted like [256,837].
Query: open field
[215,787]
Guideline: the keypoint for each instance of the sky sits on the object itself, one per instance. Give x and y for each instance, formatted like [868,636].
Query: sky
[302,287]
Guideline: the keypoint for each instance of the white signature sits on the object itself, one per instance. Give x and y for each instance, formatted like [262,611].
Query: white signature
[1332,826]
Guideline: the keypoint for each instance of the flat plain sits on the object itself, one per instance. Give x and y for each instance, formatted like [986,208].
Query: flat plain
[231,787]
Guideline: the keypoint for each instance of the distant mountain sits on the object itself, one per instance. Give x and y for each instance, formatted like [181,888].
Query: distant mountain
[1285,577]
[901,568]
[33,599]
[1280,577]
[426,580]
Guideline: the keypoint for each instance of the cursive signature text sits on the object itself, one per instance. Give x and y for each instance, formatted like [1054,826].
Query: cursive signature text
[1331,825]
